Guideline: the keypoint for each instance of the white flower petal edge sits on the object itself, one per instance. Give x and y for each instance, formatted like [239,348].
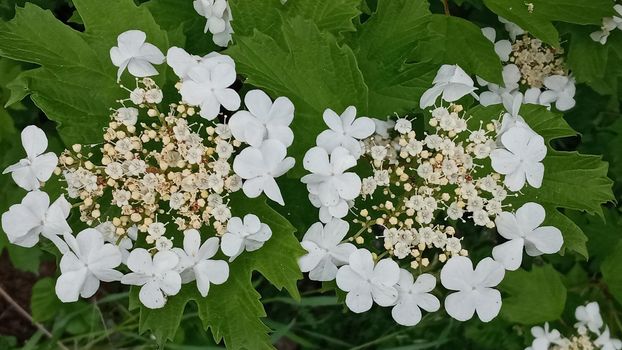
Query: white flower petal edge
[135,54]
[474,288]
[249,235]
[451,83]
[37,167]
[367,283]
[413,295]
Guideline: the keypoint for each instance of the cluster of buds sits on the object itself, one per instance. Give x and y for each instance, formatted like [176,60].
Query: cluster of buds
[155,167]
[536,60]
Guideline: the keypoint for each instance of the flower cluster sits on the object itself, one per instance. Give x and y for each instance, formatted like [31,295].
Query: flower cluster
[407,191]
[609,24]
[163,179]
[591,333]
[218,16]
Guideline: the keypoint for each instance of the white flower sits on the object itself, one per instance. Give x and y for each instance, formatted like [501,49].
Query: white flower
[609,24]
[127,115]
[532,95]
[503,48]
[475,292]
[182,62]
[403,126]
[325,250]
[366,283]
[451,82]
[218,15]
[345,131]
[589,316]
[34,216]
[522,231]
[511,118]
[561,92]
[263,120]
[89,261]
[521,158]
[511,77]
[195,262]
[248,235]
[135,54]
[328,180]
[156,275]
[37,167]
[208,88]
[605,342]
[413,295]
[260,166]
[513,29]
[544,338]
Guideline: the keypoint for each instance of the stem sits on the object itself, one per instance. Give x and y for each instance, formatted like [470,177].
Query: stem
[27,316]
[446,6]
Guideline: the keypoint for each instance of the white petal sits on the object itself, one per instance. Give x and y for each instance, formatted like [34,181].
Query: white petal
[231,245]
[333,233]
[510,253]
[386,272]
[384,295]
[488,273]
[503,48]
[341,253]
[151,296]
[209,248]
[151,53]
[503,161]
[258,103]
[69,284]
[460,305]
[192,242]
[457,273]
[362,127]
[170,282]
[165,261]
[347,279]
[90,287]
[424,283]
[141,68]
[507,226]
[282,112]
[325,270]
[516,180]
[406,313]
[34,141]
[359,300]
[430,96]
[547,239]
[332,120]
[488,304]
[140,261]
[530,216]
[249,163]
[228,98]
[362,262]
[341,159]
[181,61]
[316,161]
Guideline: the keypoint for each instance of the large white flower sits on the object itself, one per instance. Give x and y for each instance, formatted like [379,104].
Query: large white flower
[37,167]
[521,158]
[34,216]
[451,82]
[366,283]
[329,181]
[561,92]
[218,15]
[413,295]
[260,166]
[605,342]
[522,231]
[589,316]
[249,235]
[182,62]
[475,288]
[263,120]
[209,88]
[345,131]
[156,275]
[135,54]
[195,262]
[325,250]
[503,48]
[511,77]
[543,338]
[89,261]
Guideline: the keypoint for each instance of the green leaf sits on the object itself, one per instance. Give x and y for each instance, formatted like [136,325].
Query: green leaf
[44,304]
[535,296]
[71,61]
[334,16]
[539,21]
[310,68]
[233,310]
[611,272]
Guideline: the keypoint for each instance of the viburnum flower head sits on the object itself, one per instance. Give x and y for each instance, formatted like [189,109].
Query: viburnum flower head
[589,317]
[475,288]
[195,262]
[37,167]
[544,338]
[523,231]
[156,275]
[367,283]
[325,252]
[451,83]
[345,131]
[520,159]
[182,62]
[89,261]
[34,216]
[249,235]
[263,120]
[561,91]
[135,54]
[260,166]
[413,296]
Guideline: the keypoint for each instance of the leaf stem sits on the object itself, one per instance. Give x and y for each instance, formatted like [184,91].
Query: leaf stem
[446,7]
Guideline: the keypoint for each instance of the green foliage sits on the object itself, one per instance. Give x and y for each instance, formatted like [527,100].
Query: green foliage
[533,296]
[44,303]
[611,271]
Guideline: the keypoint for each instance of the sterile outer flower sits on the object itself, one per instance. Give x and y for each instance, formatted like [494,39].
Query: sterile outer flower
[513,29]
[475,288]
[328,180]
[34,216]
[521,159]
[503,48]
[561,92]
[451,82]
[325,250]
[605,342]
[156,275]
[543,338]
[263,120]
[249,235]
[366,283]
[523,231]
[89,261]
[218,15]
[413,295]
[511,77]
[260,166]
[209,88]
[135,54]
[195,262]
[589,316]
[182,62]
[345,131]
[37,167]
